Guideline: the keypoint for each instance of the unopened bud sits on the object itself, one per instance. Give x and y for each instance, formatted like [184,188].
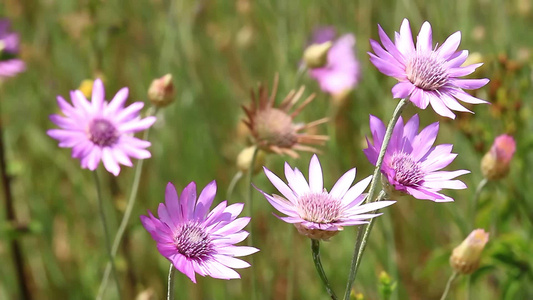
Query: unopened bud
[86,87]
[495,164]
[161,91]
[465,257]
[244,159]
[316,55]
[386,286]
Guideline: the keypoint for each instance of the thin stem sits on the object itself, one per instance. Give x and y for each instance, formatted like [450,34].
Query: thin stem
[250,211]
[106,230]
[127,213]
[448,285]
[473,215]
[233,183]
[375,179]
[315,247]
[366,234]
[12,218]
[479,188]
[170,290]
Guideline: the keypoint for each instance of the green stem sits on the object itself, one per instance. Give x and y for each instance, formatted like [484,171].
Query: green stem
[249,210]
[170,290]
[315,247]
[106,230]
[375,179]
[232,184]
[127,214]
[473,213]
[448,285]
[11,217]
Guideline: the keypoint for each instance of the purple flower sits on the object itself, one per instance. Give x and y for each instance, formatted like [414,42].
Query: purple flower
[100,130]
[411,164]
[341,72]
[313,210]
[9,47]
[425,75]
[195,239]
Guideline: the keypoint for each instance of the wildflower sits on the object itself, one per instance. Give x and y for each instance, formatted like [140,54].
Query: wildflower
[196,240]
[273,127]
[411,164]
[342,71]
[465,257]
[86,87]
[425,75]
[315,212]
[101,130]
[9,48]
[161,92]
[495,164]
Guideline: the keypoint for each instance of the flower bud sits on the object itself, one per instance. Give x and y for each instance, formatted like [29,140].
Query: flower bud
[161,92]
[465,257]
[86,87]
[386,285]
[316,55]
[495,164]
[244,159]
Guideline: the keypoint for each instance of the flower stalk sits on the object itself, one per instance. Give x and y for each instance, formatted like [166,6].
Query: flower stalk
[448,285]
[249,209]
[127,214]
[11,217]
[315,248]
[375,179]
[106,231]
[170,290]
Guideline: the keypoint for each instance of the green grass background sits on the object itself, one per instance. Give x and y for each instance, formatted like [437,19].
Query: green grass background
[217,51]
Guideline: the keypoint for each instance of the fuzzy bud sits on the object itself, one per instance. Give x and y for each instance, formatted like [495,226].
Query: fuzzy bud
[86,87]
[465,257]
[316,55]
[161,92]
[495,164]
[244,159]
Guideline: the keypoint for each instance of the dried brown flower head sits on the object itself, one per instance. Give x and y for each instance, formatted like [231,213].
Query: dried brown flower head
[273,128]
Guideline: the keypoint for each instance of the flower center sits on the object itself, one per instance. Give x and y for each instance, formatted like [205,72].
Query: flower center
[407,172]
[192,241]
[274,127]
[426,71]
[319,208]
[102,132]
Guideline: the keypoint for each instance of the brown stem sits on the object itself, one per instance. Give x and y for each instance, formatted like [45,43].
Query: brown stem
[12,218]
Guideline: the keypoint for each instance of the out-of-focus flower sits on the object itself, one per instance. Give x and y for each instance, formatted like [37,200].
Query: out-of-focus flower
[315,212]
[244,159]
[425,75]
[495,164]
[9,48]
[342,70]
[411,164]
[316,55]
[161,92]
[465,257]
[86,87]
[196,240]
[101,130]
[273,127]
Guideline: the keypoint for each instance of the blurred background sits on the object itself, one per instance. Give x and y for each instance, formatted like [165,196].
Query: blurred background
[217,52]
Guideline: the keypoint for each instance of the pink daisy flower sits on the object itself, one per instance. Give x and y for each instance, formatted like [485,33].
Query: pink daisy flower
[99,130]
[9,48]
[411,164]
[342,71]
[313,210]
[427,75]
[196,240]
